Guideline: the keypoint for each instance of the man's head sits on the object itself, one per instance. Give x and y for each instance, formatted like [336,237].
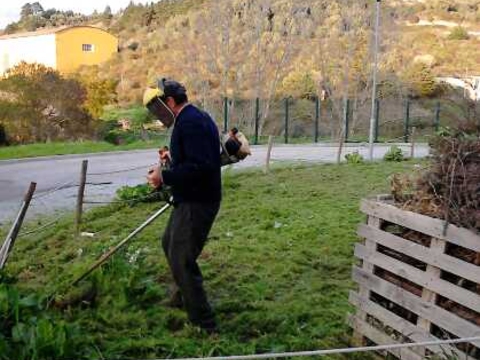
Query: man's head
[166,101]
[174,94]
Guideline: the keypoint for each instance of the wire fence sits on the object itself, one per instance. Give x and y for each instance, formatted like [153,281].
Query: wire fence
[121,170]
[58,191]
[446,352]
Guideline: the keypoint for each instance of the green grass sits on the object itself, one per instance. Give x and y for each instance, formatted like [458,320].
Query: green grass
[277,271]
[63,148]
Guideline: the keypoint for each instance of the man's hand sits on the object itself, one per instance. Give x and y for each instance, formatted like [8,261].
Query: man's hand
[154,177]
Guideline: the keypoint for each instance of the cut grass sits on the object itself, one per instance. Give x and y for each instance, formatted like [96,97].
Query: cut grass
[277,269]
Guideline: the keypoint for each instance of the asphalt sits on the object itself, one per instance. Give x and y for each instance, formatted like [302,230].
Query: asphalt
[109,171]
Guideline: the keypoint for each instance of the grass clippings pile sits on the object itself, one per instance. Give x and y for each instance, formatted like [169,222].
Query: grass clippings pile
[450,188]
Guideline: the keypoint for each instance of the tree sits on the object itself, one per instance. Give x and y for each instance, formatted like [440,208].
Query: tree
[299,84]
[149,15]
[49,13]
[26,11]
[99,92]
[420,81]
[37,9]
[11,28]
[107,13]
[38,104]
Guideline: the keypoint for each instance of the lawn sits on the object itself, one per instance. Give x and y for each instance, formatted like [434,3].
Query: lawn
[277,271]
[63,148]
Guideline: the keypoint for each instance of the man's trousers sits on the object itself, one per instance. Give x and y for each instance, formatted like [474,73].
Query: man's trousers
[183,241]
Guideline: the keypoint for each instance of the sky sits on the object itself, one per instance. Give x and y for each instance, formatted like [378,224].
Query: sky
[10,9]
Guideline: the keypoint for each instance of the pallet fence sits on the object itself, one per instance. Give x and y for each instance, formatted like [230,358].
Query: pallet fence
[418,280]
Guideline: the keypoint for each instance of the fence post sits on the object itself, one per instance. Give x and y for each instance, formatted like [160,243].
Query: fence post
[80,196]
[407,121]
[317,117]
[346,115]
[377,119]
[225,114]
[17,224]
[257,119]
[269,152]
[436,122]
[412,148]
[286,119]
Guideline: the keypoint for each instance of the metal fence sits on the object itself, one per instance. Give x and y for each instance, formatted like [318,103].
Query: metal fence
[292,120]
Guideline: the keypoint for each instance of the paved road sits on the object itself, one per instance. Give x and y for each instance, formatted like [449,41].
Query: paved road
[51,172]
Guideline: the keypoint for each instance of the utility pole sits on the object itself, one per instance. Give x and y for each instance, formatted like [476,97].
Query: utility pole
[374,85]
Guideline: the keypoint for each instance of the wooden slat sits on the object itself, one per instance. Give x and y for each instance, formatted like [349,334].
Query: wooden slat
[380,338]
[403,326]
[372,222]
[437,249]
[422,223]
[446,320]
[441,287]
[422,253]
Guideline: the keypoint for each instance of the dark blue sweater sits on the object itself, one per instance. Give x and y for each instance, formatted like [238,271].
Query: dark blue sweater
[195,174]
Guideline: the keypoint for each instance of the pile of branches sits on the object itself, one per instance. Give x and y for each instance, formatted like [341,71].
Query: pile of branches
[450,188]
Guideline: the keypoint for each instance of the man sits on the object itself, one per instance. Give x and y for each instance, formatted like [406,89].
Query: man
[195,179]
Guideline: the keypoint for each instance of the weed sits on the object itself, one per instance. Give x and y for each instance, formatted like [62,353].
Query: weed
[354,158]
[394,154]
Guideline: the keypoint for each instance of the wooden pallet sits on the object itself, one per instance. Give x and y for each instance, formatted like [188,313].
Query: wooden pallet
[404,285]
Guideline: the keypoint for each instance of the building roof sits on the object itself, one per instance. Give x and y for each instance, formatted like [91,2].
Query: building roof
[46,31]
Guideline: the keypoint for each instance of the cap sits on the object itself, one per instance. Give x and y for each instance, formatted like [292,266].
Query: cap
[171,87]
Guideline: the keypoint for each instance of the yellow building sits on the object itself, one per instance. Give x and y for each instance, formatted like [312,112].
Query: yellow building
[64,48]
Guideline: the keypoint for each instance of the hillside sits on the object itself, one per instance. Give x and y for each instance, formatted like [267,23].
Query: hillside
[274,49]
[228,44]
[250,49]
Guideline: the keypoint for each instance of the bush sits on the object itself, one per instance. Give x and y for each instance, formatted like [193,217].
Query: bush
[137,115]
[420,81]
[119,137]
[105,127]
[395,154]
[459,33]
[354,158]
[299,84]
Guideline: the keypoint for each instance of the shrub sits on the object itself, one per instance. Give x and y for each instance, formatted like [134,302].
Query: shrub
[459,33]
[299,84]
[119,137]
[354,158]
[137,115]
[395,154]
[420,81]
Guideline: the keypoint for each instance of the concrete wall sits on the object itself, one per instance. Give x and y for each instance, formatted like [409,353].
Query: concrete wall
[33,49]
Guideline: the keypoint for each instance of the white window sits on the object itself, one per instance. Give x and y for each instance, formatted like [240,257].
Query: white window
[88,47]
